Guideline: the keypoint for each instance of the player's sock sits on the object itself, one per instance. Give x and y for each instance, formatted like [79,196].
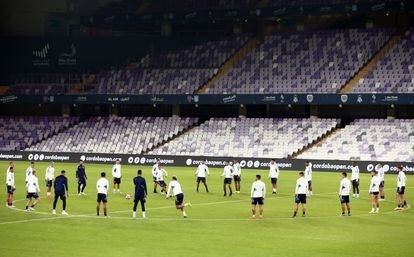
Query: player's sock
[143,214]
[27,207]
[105,214]
[32,206]
[382,197]
[405,203]
[134,214]
[303,213]
[294,213]
[184,214]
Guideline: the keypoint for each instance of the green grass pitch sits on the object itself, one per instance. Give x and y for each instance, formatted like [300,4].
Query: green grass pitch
[217,225]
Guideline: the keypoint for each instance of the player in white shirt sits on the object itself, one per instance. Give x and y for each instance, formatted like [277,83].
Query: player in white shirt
[344,190]
[273,174]
[258,194]
[10,185]
[117,175]
[308,176]
[29,170]
[301,190]
[381,176]
[32,188]
[154,174]
[160,174]
[374,191]
[49,176]
[237,175]
[227,174]
[355,180]
[200,173]
[174,188]
[401,182]
[102,185]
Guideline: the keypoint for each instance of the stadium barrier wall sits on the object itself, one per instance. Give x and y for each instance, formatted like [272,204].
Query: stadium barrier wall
[193,161]
[228,99]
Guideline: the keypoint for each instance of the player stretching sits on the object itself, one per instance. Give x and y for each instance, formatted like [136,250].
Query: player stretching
[355,180]
[201,171]
[49,176]
[81,178]
[300,194]
[401,181]
[175,187]
[154,174]
[102,186]
[10,185]
[32,191]
[61,191]
[273,174]
[160,174]
[237,175]
[140,194]
[227,174]
[308,176]
[381,176]
[374,191]
[116,174]
[344,189]
[258,195]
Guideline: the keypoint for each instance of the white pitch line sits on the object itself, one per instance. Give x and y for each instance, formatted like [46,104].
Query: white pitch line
[172,219]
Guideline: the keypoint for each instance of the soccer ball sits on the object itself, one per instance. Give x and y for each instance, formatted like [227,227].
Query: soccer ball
[127,196]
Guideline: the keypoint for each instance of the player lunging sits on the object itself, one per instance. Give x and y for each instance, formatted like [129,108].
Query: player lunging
[301,190]
[174,188]
[61,191]
[237,175]
[201,172]
[374,191]
[355,180]
[116,174]
[32,191]
[227,174]
[102,186]
[258,195]
[140,194]
[273,175]
[49,176]
[344,189]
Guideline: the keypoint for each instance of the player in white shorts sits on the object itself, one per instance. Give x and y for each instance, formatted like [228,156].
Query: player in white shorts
[237,175]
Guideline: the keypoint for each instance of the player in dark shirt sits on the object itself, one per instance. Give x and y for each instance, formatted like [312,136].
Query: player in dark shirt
[81,177]
[61,191]
[140,194]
